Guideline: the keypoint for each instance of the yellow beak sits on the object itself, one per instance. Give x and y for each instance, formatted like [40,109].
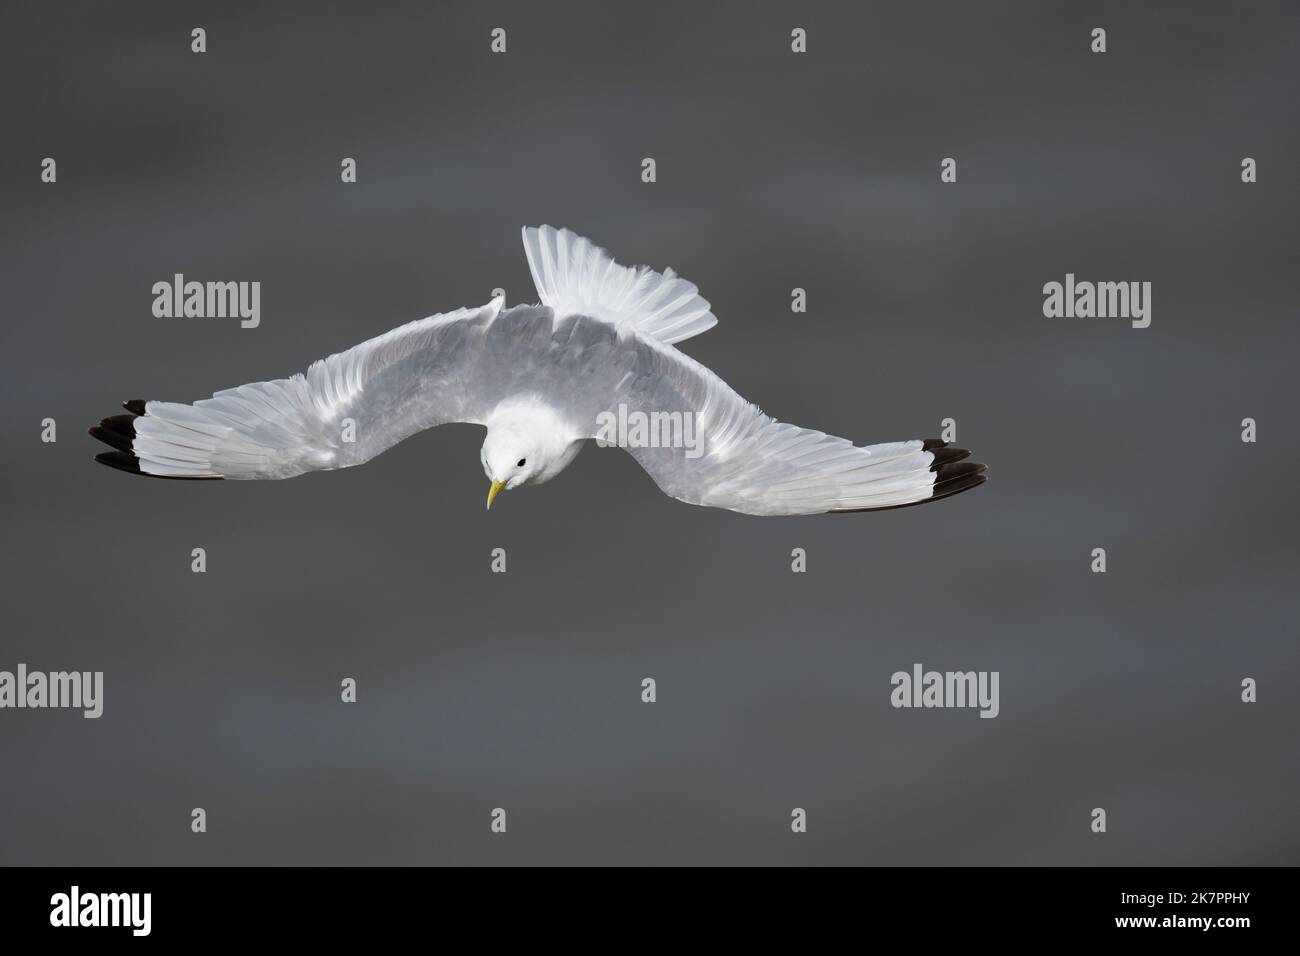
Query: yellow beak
[494,491]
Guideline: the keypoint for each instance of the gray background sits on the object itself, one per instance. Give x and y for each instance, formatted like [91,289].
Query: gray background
[522,690]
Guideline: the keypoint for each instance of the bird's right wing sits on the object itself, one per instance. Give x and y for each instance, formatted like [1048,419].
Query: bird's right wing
[345,410]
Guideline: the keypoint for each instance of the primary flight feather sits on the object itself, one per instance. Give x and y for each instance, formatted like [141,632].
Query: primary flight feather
[544,379]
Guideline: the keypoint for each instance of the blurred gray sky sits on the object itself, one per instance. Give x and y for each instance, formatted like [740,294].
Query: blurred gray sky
[774,171]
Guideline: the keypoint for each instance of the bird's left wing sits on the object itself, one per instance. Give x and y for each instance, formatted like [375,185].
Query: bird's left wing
[704,444]
[345,410]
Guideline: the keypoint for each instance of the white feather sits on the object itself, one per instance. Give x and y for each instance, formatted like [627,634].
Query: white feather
[576,277]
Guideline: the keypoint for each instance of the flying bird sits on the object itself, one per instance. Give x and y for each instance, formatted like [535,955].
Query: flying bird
[544,379]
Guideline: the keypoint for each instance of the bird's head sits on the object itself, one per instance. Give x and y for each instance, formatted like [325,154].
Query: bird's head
[524,446]
[510,461]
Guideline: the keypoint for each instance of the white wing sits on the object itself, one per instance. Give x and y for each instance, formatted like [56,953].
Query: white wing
[460,366]
[576,277]
[345,410]
[746,461]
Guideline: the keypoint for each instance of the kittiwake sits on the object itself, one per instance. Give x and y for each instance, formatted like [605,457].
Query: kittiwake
[597,353]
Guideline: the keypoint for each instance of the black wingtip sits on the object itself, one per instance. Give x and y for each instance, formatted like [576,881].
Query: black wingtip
[109,437]
[123,425]
[121,460]
[946,455]
[952,475]
[955,477]
[118,431]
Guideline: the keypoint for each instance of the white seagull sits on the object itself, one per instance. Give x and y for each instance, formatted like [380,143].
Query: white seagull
[544,379]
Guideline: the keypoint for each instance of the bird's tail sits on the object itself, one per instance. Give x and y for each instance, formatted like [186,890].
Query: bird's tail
[574,276]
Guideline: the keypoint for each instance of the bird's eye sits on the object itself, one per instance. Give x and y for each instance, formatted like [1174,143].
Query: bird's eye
[522,462]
